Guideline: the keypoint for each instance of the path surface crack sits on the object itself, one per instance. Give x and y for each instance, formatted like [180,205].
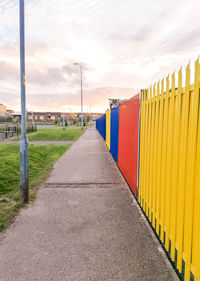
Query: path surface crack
[81,185]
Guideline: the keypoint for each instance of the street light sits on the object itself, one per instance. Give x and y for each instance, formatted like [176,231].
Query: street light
[33,123]
[81,72]
[63,121]
[24,151]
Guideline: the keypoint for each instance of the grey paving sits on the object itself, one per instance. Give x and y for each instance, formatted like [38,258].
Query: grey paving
[82,226]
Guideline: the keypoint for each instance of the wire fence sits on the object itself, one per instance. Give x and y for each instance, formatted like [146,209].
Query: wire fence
[14,130]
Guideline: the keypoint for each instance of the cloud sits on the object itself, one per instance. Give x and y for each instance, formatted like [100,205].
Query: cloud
[52,75]
[122,45]
[41,70]
[97,97]
[10,99]
[8,71]
[183,43]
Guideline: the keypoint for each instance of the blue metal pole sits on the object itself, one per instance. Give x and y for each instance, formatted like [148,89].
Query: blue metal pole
[81,96]
[24,151]
[81,72]
[63,121]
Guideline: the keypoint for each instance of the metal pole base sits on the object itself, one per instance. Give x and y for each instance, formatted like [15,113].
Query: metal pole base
[24,170]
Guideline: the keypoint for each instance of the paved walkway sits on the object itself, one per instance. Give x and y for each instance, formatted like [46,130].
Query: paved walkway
[82,226]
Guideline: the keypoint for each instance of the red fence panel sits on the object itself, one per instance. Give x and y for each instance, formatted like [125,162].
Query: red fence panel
[128,140]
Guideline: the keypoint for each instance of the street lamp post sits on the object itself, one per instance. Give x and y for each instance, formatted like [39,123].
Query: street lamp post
[24,151]
[33,119]
[63,121]
[81,72]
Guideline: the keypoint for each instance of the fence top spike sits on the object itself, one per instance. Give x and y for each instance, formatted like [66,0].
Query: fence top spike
[158,88]
[197,61]
[167,78]
[188,67]
[180,72]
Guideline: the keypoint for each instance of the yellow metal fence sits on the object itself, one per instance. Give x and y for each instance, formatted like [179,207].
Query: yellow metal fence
[169,182]
[108,128]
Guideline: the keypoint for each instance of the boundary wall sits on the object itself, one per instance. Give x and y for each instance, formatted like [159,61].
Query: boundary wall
[128,141]
[114,133]
[155,140]
[108,128]
[100,126]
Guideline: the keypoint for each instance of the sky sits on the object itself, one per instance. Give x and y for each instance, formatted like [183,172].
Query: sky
[123,46]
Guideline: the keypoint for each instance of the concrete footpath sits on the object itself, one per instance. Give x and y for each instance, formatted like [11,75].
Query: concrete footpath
[82,226]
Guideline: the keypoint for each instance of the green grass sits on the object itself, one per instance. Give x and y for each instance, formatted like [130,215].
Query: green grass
[41,160]
[55,134]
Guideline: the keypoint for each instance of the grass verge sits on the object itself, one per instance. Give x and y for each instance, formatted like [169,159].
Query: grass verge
[55,134]
[41,160]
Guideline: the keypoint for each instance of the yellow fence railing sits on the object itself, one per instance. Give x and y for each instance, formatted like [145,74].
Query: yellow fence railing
[169,182]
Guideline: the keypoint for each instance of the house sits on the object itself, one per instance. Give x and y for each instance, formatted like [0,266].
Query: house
[44,116]
[3,110]
[56,116]
[16,115]
[10,112]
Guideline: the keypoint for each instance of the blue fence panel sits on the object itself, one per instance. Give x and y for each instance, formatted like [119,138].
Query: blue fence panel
[97,124]
[101,126]
[104,127]
[114,132]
